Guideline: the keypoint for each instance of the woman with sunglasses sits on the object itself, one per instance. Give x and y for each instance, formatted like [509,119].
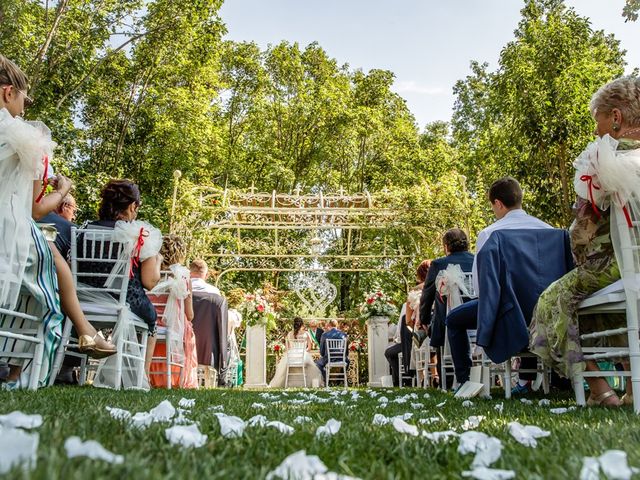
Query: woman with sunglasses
[32,271]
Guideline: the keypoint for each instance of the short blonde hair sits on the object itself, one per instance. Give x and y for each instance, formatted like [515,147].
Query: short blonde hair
[198,266]
[10,74]
[622,93]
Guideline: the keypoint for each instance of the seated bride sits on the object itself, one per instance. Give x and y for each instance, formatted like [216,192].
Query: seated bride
[299,337]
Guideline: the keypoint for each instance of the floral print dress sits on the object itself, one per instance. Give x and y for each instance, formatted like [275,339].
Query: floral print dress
[555,333]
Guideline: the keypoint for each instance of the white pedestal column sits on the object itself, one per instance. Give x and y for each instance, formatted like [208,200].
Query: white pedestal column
[256,357]
[377,337]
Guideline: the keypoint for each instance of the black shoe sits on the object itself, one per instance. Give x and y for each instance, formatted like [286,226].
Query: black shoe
[67,376]
[4,371]
[419,336]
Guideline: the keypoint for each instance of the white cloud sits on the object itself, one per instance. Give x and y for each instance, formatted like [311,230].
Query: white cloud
[411,86]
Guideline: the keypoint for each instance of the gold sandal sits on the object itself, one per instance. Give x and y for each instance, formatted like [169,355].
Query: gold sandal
[598,400]
[87,345]
[627,399]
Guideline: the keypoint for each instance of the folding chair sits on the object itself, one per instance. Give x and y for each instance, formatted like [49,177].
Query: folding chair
[336,352]
[94,245]
[623,299]
[22,337]
[403,374]
[295,359]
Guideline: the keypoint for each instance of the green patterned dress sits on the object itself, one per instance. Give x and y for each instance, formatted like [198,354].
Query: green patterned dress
[555,334]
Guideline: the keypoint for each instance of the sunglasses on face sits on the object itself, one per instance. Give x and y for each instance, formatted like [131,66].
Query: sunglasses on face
[28,101]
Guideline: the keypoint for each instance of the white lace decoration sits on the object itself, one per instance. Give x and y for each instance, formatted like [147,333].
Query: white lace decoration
[141,241]
[177,288]
[451,283]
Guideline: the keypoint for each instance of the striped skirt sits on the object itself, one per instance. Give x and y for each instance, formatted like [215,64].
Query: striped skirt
[39,297]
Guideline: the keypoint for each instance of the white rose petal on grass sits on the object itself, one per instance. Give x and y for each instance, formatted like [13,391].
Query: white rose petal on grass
[526,401]
[472,422]
[379,419]
[383,400]
[257,421]
[258,405]
[417,406]
[561,410]
[301,419]
[487,449]
[403,427]
[467,403]
[614,465]
[187,402]
[185,436]
[426,395]
[163,412]
[527,434]
[590,469]
[230,426]
[545,402]
[440,436]
[91,449]
[18,419]
[300,466]
[281,427]
[330,428]
[484,473]
[441,404]
[17,447]
[429,421]
[119,413]
[142,420]
[499,407]
[216,408]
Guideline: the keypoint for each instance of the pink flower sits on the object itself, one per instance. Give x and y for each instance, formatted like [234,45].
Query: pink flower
[260,308]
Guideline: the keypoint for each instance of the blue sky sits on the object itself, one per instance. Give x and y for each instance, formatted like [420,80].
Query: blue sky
[428,44]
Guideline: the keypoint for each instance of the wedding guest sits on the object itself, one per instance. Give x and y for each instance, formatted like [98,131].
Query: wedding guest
[119,202]
[62,219]
[311,371]
[331,333]
[313,331]
[555,333]
[37,280]
[174,252]
[199,273]
[456,249]
[505,197]
[401,344]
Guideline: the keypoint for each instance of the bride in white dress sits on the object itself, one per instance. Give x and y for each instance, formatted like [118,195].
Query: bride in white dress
[311,370]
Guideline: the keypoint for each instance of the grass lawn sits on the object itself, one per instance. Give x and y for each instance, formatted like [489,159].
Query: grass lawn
[360,448]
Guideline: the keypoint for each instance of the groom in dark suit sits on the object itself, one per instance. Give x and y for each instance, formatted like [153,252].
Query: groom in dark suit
[331,334]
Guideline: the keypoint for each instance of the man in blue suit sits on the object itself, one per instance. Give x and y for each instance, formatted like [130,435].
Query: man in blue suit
[505,196]
[456,248]
[332,334]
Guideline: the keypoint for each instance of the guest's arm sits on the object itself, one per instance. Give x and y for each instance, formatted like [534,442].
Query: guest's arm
[428,295]
[188,304]
[323,345]
[49,202]
[150,271]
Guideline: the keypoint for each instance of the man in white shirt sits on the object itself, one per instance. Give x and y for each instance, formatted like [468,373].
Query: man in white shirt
[505,196]
[199,271]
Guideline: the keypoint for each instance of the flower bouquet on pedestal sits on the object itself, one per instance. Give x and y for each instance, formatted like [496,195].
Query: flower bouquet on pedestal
[377,304]
[278,349]
[257,310]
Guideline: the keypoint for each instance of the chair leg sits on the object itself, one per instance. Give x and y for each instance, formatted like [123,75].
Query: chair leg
[507,379]
[168,362]
[59,358]
[578,388]
[83,371]
[36,365]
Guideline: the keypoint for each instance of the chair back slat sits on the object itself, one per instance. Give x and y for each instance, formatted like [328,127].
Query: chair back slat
[295,351]
[94,254]
[336,349]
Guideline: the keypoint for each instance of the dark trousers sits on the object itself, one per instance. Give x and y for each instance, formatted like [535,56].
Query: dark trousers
[392,353]
[462,318]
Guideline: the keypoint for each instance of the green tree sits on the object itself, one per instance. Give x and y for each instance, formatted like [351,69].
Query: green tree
[530,118]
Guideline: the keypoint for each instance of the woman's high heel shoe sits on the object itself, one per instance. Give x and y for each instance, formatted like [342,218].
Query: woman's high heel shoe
[87,345]
[627,399]
[600,400]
